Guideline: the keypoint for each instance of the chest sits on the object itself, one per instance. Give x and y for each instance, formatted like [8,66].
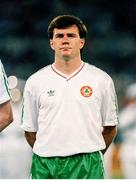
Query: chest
[77,91]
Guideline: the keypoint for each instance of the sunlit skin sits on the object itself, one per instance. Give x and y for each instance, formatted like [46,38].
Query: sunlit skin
[67,45]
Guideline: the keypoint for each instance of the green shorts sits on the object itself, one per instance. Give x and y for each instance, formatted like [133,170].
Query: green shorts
[80,166]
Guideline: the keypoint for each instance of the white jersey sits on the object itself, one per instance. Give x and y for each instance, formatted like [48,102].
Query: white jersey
[68,113]
[128,124]
[127,128]
[4,89]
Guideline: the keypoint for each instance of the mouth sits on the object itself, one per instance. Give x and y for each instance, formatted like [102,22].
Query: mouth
[65,48]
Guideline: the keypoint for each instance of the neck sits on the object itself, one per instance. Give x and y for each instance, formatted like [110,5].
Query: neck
[67,67]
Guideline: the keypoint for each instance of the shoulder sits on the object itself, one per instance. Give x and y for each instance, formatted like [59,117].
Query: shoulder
[1,66]
[37,78]
[2,71]
[98,73]
[39,74]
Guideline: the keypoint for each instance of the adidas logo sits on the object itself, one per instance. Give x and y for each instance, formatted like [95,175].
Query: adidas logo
[51,92]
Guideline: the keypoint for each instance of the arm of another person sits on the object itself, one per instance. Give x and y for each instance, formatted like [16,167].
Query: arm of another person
[109,132]
[6,116]
[30,137]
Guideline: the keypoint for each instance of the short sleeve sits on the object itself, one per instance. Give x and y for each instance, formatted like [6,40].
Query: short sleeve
[4,88]
[109,105]
[29,110]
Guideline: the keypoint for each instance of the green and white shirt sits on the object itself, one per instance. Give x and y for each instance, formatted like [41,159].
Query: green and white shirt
[69,112]
[4,89]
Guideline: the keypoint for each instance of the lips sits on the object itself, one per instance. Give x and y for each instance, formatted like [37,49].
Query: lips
[65,48]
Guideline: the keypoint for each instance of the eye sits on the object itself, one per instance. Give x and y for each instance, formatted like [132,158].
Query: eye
[58,35]
[71,35]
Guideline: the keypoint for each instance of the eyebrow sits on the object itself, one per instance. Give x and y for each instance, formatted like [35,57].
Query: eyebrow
[68,34]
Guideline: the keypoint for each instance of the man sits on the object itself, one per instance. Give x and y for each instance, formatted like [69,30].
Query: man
[6,116]
[70,111]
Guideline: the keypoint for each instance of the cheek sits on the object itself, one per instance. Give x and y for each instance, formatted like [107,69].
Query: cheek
[78,45]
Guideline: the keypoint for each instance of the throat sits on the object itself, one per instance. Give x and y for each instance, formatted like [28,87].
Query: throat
[68,68]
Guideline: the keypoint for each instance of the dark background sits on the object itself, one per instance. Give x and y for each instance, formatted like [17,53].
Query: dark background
[111,43]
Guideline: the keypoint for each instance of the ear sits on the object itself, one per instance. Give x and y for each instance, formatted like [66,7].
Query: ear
[51,44]
[82,42]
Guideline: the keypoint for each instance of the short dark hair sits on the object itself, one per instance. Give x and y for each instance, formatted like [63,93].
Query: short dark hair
[64,21]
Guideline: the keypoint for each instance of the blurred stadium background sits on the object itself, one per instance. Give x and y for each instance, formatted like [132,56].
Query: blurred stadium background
[24,48]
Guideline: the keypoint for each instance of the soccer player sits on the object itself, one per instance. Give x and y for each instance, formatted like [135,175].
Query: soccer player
[70,109]
[6,116]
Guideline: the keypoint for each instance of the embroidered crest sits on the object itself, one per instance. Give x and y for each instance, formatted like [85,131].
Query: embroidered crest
[51,92]
[86,91]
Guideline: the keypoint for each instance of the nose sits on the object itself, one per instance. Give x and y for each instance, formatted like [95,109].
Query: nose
[65,40]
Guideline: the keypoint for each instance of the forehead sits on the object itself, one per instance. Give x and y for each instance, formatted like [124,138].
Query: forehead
[71,29]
